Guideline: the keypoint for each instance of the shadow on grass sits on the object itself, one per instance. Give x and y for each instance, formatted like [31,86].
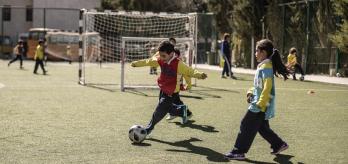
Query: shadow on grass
[190,124]
[141,144]
[243,79]
[283,158]
[102,87]
[205,88]
[210,154]
[256,162]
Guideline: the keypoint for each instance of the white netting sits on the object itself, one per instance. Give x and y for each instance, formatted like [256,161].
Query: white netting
[112,26]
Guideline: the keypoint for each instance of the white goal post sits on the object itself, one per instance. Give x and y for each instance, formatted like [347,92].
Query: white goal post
[137,48]
[100,57]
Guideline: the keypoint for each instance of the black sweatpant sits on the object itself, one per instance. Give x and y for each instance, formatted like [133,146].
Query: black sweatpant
[299,68]
[165,105]
[16,58]
[227,66]
[250,125]
[37,63]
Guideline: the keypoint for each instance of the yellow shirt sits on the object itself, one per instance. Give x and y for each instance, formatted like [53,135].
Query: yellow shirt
[39,54]
[183,69]
[292,59]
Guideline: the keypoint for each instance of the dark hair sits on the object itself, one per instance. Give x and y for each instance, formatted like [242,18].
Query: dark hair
[41,41]
[226,35]
[20,41]
[177,52]
[172,39]
[292,50]
[273,54]
[166,46]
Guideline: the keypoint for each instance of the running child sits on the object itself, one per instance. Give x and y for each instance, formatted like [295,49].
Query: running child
[168,82]
[262,103]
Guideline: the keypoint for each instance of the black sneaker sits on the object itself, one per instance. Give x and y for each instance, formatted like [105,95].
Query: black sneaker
[235,156]
[282,148]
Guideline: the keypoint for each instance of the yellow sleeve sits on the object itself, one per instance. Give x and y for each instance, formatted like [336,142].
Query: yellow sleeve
[265,94]
[36,52]
[188,82]
[146,62]
[188,71]
[292,59]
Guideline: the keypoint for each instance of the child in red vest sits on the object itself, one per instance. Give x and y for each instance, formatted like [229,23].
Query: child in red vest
[168,81]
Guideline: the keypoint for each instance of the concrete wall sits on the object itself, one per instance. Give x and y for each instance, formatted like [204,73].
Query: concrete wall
[59,14]
[65,17]
[18,23]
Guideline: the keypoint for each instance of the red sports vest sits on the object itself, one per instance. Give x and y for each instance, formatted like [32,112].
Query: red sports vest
[168,80]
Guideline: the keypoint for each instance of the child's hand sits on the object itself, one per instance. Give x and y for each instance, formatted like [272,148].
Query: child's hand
[249,97]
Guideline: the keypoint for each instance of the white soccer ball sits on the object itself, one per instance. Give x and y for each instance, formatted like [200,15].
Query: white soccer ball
[137,134]
[338,75]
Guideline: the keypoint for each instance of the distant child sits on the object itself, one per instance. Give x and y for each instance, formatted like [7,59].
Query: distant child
[226,54]
[18,51]
[39,57]
[168,82]
[68,53]
[262,103]
[293,65]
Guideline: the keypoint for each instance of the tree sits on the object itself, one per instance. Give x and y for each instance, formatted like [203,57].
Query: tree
[340,36]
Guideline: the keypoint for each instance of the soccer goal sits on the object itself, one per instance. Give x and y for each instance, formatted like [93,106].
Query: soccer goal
[135,34]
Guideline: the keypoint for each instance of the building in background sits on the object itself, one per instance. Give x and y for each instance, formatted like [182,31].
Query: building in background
[18,16]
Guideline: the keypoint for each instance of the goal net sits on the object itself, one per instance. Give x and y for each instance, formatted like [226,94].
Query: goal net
[138,32]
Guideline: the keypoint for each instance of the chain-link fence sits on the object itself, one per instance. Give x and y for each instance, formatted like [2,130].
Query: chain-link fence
[306,25]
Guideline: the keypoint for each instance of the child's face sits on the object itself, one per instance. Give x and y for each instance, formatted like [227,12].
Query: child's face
[260,55]
[165,56]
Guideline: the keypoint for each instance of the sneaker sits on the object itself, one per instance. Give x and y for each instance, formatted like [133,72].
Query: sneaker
[282,148]
[148,132]
[184,117]
[170,117]
[234,156]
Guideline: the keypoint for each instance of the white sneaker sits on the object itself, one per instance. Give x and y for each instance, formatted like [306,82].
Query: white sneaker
[170,117]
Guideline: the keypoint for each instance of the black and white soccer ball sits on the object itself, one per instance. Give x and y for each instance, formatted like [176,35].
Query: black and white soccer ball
[137,134]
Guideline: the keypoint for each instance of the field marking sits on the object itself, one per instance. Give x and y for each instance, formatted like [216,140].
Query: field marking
[2,85]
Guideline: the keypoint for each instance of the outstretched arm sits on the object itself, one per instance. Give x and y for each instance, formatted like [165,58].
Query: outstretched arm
[188,71]
[145,62]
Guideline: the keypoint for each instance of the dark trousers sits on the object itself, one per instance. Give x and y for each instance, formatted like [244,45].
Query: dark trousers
[250,125]
[165,105]
[299,68]
[37,63]
[227,66]
[16,58]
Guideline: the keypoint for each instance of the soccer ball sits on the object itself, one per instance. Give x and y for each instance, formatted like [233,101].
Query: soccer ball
[137,134]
